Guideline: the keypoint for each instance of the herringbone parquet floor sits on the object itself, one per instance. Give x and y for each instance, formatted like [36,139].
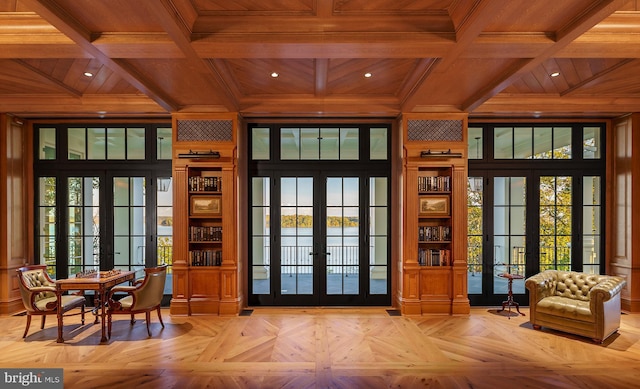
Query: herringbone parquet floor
[326,348]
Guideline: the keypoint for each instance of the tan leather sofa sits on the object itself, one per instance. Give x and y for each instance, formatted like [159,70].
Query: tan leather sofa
[578,303]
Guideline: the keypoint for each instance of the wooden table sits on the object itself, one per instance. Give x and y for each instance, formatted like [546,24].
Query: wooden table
[510,302]
[100,282]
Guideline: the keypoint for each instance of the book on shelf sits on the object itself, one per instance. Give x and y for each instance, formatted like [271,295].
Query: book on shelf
[205,184]
[434,257]
[205,234]
[434,233]
[434,184]
[205,257]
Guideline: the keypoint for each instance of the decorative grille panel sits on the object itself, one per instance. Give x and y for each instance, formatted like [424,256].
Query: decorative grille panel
[205,130]
[434,130]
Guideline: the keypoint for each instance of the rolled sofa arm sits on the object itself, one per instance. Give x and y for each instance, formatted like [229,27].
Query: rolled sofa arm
[541,285]
[608,287]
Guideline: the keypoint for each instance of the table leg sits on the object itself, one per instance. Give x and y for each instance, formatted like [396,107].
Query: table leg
[96,306]
[59,314]
[103,314]
[518,308]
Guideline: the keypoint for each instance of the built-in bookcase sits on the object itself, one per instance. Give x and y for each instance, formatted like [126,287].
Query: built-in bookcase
[205,241]
[434,216]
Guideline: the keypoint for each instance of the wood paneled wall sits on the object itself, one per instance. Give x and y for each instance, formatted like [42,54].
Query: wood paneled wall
[15,208]
[623,207]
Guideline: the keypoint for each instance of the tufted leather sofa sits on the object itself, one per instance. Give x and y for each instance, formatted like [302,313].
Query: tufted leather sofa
[578,303]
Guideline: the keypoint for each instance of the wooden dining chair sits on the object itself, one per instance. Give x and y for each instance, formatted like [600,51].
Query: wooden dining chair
[143,296]
[39,297]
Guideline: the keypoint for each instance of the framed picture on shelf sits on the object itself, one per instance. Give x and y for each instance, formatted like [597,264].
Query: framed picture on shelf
[434,206]
[206,205]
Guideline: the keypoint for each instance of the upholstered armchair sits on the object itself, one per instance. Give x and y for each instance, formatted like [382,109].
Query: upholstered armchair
[39,296]
[578,303]
[143,296]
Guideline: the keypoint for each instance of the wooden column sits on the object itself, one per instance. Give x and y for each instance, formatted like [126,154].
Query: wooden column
[410,299]
[623,207]
[180,299]
[16,215]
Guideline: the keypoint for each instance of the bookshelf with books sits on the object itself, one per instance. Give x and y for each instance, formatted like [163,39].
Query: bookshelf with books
[434,216]
[205,217]
[434,269]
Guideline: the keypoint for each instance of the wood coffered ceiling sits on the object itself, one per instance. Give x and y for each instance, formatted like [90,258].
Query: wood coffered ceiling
[489,58]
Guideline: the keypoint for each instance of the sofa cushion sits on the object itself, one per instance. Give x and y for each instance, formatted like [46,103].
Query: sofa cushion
[569,308]
[575,285]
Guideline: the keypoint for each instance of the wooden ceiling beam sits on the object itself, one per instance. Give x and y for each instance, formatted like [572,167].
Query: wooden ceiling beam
[564,36]
[474,22]
[312,106]
[603,45]
[344,45]
[321,76]
[180,32]
[470,27]
[323,23]
[160,45]
[55,15]
[87,105]
[513,104]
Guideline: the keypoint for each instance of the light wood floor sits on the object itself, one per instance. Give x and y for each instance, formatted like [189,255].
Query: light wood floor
[326,348]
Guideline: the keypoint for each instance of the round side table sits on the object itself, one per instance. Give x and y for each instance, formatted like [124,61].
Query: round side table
[509,302]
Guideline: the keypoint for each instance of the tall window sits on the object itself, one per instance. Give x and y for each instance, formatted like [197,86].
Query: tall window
[535,202]
[103,195]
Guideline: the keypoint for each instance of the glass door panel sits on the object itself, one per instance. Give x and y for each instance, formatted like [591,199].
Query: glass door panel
[591,224]
[342,254]
[296,230]
[83,224]
[129,215]
[378,236]
[475,234]
[509,230]
[556,193]
[260,236]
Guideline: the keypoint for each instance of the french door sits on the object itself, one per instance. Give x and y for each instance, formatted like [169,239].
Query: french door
[524,222]
[325,242]
[108,217]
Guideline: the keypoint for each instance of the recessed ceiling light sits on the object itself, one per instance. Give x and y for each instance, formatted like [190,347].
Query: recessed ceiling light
[88,74]
[368,75]
[555,74]
[274,75]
